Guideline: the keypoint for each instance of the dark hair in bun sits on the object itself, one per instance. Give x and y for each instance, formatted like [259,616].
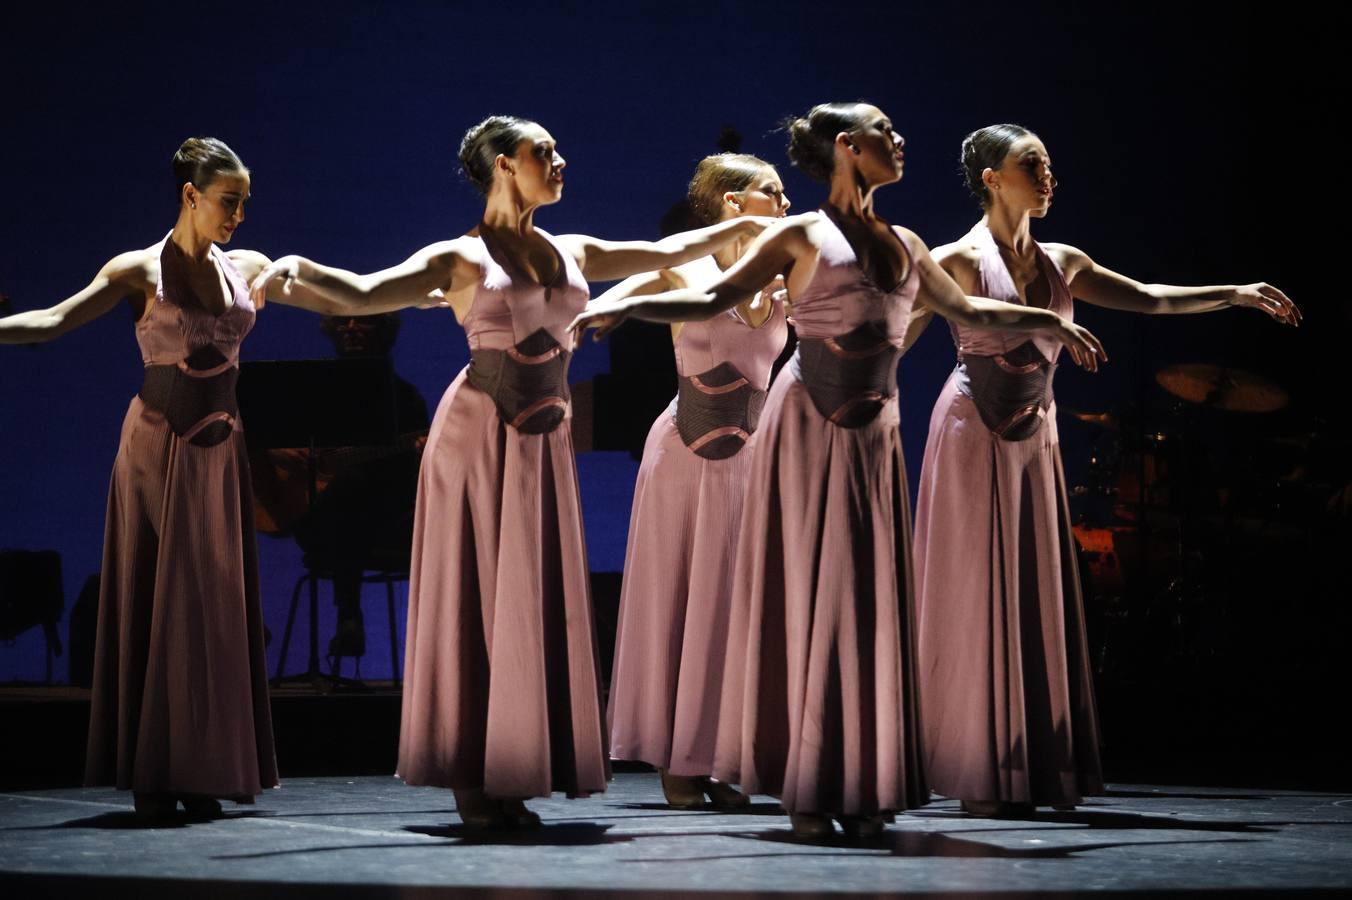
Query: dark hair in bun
[812,137]
[986,148]
[200,160]
[482,144]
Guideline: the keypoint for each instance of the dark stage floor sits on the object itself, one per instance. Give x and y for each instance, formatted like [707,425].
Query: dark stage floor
[374,837]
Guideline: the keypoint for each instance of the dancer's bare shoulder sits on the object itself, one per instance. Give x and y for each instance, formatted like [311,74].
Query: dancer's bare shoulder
[1070,260]
[134,269]
[961,260]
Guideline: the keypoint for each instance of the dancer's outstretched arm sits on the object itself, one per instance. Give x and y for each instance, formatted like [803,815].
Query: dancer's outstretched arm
[602,260]
[1101,286]
[644,284]
[448,267]
[251,263]
[126,274]
[755,312]
[768,256]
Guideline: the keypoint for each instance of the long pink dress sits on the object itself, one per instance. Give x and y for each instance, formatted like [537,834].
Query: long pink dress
[1005,677]
[501,690]
[820,703]
[180,701]
[674,605]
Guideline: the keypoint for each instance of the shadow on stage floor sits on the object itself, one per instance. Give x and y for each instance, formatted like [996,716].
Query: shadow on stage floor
[374,837]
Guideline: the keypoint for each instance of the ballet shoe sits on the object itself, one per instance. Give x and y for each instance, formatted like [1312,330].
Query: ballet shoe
[861,826]
[515,813]
[200,807]
[477,810]
[154,807]
[811,825]
[724,796]
[682,791]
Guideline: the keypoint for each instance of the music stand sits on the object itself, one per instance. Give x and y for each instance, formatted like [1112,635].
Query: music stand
[318,404]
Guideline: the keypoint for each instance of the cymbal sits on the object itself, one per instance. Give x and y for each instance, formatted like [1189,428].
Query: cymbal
[1101,419]
[1222,388]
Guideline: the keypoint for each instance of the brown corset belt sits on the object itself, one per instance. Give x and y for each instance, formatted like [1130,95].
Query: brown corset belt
[528,382]
[850,376]
[717,411]
[1012,392]
[195,396]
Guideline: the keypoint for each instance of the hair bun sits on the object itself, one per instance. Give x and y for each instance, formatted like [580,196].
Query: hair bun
[200,160]
[812,138]
[483,143]
[986,148]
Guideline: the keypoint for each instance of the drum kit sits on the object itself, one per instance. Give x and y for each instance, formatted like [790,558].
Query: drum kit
[1158,506]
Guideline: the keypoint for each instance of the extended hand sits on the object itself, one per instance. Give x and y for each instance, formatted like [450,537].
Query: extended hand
[1084,348]
[435,299]
[1270,300]
[287,268]
[774,291]
[605,318]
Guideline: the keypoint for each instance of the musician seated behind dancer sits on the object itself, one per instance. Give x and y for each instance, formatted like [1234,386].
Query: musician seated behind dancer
[363,514]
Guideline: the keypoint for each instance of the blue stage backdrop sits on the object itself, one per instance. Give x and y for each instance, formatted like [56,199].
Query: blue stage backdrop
[1177,134]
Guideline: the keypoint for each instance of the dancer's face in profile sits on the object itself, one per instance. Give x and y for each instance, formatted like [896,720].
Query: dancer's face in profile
[537,168]
[880,158]
[764,196]
[1025,180]
[219,208]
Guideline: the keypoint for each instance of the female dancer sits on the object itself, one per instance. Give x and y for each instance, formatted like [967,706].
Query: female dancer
[1006,687]
[672,634]
[501,694]
[180,631]
[819,701]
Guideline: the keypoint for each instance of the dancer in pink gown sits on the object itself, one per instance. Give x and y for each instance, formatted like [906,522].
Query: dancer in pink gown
[820,701]
[180,702]
[672,634]
[1004,671]
[501,693]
